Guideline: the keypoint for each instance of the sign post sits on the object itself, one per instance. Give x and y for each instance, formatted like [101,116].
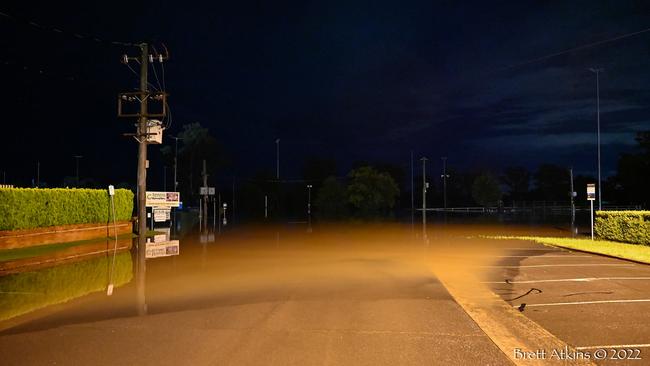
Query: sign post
[591,196]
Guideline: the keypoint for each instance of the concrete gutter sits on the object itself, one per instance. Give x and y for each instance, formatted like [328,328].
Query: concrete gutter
[507,327]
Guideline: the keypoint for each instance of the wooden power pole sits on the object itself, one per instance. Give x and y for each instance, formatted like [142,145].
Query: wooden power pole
[142,146]
[142,96]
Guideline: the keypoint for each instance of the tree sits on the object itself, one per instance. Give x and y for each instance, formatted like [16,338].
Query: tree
[486,191]
[633,176]
[552,182]
[330,202]
[517,179]
[371,192]
[196,145]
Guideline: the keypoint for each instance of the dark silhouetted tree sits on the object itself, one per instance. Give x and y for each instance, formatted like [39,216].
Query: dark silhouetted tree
[486,190]
[552,183]
[196,145]
[634,173]
[370,192]
[331,202]
[517,179]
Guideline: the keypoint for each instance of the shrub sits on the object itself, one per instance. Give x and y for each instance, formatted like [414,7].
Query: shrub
[28,208]
[624,226]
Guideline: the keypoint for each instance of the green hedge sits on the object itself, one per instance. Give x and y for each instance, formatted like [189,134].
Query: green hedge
[22,293]
[624,226]
[28,208]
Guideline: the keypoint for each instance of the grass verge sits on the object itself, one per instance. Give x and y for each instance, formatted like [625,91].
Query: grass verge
[635,252]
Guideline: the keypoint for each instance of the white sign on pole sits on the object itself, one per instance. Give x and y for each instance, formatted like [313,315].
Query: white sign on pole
[591,192]
[161,214]
[211,191]
[164,249]
[203,191]
[162,199]
[591,196]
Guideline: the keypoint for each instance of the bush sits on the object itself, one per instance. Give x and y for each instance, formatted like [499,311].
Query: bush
[624,226]
[28,208]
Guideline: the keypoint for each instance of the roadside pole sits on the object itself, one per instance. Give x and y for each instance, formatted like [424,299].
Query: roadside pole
[591,196]
[424,197]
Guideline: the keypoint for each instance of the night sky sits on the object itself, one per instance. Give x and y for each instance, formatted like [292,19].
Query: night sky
[351,81]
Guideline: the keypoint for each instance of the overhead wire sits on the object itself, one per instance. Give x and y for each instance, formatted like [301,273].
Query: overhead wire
[577,48]
[75,35]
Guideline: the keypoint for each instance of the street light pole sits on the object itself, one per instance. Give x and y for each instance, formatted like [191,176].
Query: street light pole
[277,162]
[600,186]
[77,157]
[444,177]
[412,195]
[309,200]
[175,161]
[424,197]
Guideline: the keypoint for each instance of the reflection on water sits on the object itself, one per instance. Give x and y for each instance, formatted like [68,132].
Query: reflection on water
[21,293]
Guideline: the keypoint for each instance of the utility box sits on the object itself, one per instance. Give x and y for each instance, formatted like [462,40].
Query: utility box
[154,131]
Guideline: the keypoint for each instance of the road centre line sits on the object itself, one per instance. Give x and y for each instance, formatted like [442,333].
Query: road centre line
[586,303]
[585,279]
[643,345]
[565,265]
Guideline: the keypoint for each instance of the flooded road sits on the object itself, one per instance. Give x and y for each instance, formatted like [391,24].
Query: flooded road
[345,294]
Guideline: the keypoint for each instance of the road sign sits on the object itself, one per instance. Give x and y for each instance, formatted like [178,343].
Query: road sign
[163,249]
[591,192]
[161,214]
[203,191]
[211,191]
[162,199]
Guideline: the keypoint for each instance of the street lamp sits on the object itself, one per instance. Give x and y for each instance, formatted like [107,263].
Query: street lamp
[424,197]
[277,159]
[309,200]
[309,230]
[600,186]
[444,177]
[175,161]
[77,157]
[225,222]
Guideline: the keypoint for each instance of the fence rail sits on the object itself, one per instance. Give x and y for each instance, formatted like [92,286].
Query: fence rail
[522,209]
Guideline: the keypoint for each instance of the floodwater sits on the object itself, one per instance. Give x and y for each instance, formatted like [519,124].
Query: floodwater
[308,277]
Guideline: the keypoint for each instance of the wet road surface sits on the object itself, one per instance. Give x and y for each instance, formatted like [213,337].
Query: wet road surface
[341,296]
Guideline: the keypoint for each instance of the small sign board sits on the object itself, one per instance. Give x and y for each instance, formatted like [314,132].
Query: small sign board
[211,191]
[162,199]
[161,214]
[163,249]
[591,192]
[203,191]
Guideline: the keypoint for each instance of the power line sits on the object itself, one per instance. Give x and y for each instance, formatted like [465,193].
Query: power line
[91,38]
[37,70]
[578,48]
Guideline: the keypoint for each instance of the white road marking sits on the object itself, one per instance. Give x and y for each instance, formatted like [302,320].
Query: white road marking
[586,302]
[543,256]
[643,345]
[540,249]
[586,279]
[565,265]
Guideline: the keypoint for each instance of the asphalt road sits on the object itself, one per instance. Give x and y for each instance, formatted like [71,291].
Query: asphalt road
[265,297]
[589,301]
